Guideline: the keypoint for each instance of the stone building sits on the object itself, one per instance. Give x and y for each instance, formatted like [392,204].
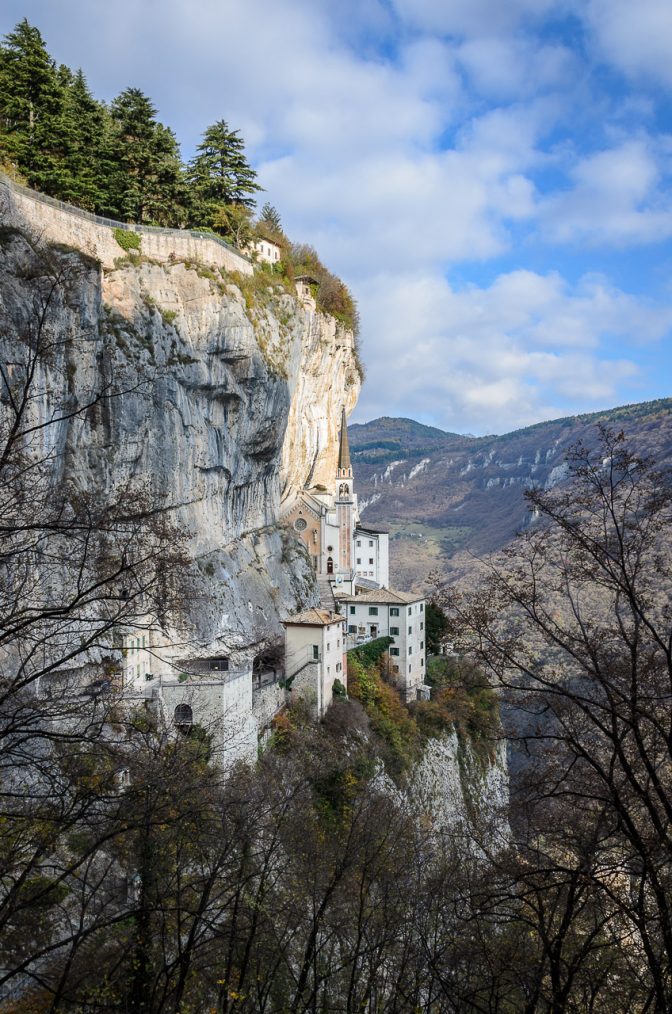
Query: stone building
[315,656]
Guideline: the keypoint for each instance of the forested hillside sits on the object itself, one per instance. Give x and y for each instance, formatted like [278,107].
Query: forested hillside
[445,496]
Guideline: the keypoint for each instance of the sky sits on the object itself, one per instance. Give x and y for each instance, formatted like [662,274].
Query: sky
[492,178]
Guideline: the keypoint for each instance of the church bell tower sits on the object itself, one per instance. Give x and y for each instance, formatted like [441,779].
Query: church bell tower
[345,502]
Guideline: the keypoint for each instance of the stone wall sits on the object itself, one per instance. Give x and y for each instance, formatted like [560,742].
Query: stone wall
[266,703]
[55,222]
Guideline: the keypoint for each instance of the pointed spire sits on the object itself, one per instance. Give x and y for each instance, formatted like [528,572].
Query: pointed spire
[344,447]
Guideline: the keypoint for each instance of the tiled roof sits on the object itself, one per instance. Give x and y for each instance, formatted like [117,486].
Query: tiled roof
[382,596]
[314,618]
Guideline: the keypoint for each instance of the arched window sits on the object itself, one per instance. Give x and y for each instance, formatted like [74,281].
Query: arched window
[343,489]
[330,565]
[184,716]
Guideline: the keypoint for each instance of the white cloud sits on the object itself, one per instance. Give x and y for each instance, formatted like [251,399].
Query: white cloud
[502,356]
[404,137]
[618,195]
[636,37]
[471,17]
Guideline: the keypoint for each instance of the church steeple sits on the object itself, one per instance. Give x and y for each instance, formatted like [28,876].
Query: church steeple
[344,465]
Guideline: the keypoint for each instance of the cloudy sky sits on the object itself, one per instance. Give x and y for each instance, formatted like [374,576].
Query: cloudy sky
[491,177]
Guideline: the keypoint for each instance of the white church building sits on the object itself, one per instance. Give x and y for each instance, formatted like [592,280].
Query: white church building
[351,561]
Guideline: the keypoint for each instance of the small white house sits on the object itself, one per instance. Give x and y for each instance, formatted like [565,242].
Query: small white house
[315,656]
[266,251]
[382,612]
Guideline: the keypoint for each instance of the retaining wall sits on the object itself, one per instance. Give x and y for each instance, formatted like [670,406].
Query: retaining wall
[55,222]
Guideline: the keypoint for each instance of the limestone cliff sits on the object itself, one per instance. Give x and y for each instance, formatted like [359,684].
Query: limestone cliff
[229,393]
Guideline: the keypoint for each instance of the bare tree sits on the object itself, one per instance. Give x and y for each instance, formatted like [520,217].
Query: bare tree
[574,623]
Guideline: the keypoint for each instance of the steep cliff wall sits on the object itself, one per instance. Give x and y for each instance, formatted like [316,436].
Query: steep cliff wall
[228,398]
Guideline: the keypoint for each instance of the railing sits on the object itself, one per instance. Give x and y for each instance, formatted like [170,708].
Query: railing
[112,223]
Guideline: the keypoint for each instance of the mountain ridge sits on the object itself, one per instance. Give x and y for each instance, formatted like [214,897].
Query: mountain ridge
[446,497]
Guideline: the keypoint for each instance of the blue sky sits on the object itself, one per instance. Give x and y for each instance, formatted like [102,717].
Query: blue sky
[491,177]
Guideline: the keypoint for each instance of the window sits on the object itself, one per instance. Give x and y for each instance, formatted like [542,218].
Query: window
[422,661]
[410,610]
[410,650]
[218,665]
[300,524]
[359,559]
[409,668]
[338,642]
[422,626]
[373,610]
[183,715]
[422,644]
[328,646]
[394,631]
[352,610]
[422,607]
[328,669]
[352,629]
[410,630]
[370,561]
[359,543]
[370,542]
[338,667]
[316,651]
[394,651]
[394,611]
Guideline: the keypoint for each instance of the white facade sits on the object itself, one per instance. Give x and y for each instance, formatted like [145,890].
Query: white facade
[305,286]
[372,556]
[266,251]
[315,648]
[398,615]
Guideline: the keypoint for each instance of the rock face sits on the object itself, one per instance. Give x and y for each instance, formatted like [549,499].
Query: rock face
[229,396]
[457,793]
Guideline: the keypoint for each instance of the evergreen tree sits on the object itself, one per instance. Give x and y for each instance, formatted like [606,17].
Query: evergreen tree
[147,185]
[270,218]
[81,128]
[30,105]
[220,172]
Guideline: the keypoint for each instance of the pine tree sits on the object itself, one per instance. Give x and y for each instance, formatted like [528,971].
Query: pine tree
[270,218]
[147,184]
[30,105]
[220,172]
[81,133]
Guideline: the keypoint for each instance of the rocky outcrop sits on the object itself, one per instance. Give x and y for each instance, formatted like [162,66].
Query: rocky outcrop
[457,791]
[227,397]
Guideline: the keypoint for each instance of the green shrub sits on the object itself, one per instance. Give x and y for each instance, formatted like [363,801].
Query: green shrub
[127,239]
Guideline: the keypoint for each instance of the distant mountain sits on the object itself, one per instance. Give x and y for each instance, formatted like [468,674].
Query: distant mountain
[446,496]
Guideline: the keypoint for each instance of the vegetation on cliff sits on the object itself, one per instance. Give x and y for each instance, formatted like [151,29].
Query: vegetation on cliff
[462,702]
[121,162]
